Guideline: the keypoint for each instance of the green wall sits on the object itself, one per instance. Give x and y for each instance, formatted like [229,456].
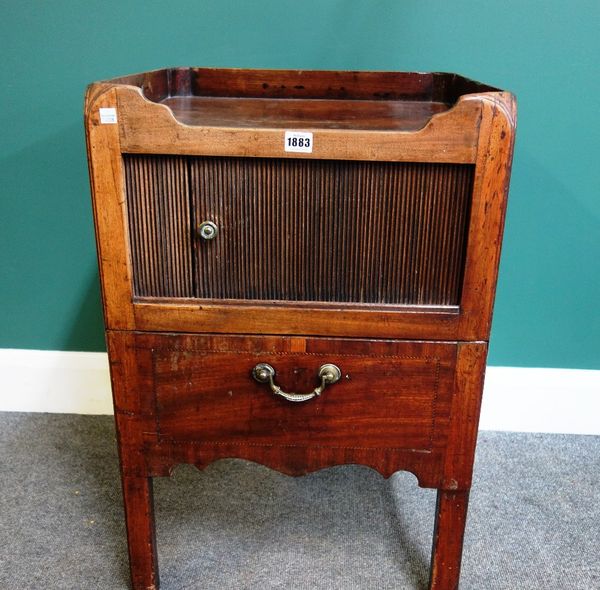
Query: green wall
[544,51]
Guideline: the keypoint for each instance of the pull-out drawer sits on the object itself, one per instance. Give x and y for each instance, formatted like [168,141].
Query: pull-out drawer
[389,397]
[202,393]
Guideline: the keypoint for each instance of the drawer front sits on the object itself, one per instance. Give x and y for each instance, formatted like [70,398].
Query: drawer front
[391,395]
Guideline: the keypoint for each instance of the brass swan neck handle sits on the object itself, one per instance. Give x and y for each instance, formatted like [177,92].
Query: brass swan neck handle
[328,374]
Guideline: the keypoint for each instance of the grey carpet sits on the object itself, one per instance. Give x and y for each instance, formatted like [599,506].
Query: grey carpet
[534,521]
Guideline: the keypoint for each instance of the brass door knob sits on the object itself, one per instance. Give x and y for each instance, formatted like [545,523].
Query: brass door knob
[208,230]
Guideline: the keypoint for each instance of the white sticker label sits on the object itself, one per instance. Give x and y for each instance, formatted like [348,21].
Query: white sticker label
[298,141]
[108,116]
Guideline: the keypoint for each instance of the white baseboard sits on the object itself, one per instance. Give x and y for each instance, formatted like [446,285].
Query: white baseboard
[54,381]
[515,399]
[541,400]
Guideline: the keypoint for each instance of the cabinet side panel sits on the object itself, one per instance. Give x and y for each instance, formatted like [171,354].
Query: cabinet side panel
[464,416]
[486,225]
[107,184]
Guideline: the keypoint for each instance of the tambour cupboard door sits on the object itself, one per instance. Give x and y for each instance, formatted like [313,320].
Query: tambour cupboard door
[298,230]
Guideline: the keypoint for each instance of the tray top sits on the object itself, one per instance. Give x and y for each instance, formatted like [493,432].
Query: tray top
[398,115]
[211,97]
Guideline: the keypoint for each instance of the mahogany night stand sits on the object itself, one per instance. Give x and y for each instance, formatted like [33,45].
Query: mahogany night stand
[298,268]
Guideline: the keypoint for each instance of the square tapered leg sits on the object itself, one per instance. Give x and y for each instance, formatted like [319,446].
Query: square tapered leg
[139,515]
[450,520]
